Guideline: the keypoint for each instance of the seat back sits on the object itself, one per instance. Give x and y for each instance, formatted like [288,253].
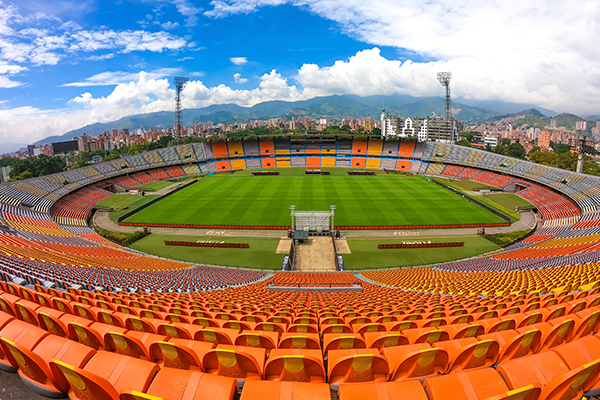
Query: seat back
[84,385]
[427,362]
[231,363]
[294,368]
[175,356]
[359,368]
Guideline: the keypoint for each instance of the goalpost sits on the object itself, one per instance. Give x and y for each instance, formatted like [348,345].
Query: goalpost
[319,221]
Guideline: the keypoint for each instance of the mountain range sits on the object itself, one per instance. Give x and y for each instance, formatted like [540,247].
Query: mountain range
[336,107]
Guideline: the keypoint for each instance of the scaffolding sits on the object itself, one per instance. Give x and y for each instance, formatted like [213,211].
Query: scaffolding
[313,221]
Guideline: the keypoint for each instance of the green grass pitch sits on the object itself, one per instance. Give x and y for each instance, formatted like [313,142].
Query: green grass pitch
[240,199]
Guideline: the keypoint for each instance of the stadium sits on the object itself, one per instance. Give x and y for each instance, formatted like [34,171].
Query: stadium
[86,318]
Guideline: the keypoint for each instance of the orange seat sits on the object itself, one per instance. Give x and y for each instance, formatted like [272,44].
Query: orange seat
[177,384]
[514,344]
[344,341]
[26,311]
[552,335]
[416,361]
[298,365]
[7,303]
[335,328]
[468,353]
[589,322]
[498,324]
[242,363]
[426,335]
[379,340]
[477,384]
[579,352]
[368,327]
[303,328]
[92,335]
[105,375]
[270,327]
[263,339]
[5,319]
[291,340]
[216,335]
[383,391]
[357,365]
[26,335]
[178,330]
[460,331]
[271,390]
[126,344]
[33,365]
[550,372]
[52,323]
[181,355]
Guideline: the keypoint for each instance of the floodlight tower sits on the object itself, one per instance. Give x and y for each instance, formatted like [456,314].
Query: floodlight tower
[180,82]
[444,78]
[580,157]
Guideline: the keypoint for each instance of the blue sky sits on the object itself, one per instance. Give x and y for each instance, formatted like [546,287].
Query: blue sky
[68,63]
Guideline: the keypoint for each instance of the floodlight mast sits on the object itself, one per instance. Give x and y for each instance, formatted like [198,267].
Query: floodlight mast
[180,82]
[444,78]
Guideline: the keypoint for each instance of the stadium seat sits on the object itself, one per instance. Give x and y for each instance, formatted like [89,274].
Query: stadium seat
[239,362]
[476,384]
[379,340]
[294,340]
[383,391]
[22,333]
[105,375]
[548,371]
[297,365]
[282,390]
[177,384]
[416,361]
[33,365]
[357,365]
[468,353]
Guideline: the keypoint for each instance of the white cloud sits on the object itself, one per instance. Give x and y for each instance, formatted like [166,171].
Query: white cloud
[543,52]
[29,124]
[238,78]
[185,8]
[168,25]
[144,96]
[6,71]
[238,60]
[225,8]
[111,78]
[46,40]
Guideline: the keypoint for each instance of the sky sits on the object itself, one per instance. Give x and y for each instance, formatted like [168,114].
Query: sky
[65,64]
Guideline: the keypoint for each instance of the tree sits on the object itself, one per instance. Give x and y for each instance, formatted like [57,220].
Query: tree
[134,149]
[505,142]
[469,136]
[534,149]
[464,142]
[560,148]
[376,131]
[516,150]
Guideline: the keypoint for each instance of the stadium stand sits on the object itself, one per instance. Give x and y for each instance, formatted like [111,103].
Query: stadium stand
[92,320]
